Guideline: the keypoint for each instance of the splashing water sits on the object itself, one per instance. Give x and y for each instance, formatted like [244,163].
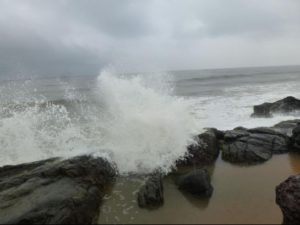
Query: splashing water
[135,122]
[144,124]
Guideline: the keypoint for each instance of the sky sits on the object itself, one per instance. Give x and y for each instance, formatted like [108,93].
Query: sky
[78,37]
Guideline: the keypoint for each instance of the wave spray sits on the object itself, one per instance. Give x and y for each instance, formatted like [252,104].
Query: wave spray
[134,121]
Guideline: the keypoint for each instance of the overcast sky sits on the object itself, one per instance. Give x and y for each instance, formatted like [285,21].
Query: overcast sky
[65,37]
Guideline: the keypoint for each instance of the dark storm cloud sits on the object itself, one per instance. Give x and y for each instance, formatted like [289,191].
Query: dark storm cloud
[81,37]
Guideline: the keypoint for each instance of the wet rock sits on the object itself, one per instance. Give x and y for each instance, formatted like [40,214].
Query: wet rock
[252,146]
[286,127]
[286,105]
[295,139]
[151,194]
[54,191]
[196,182]
[205,151]
[288,199]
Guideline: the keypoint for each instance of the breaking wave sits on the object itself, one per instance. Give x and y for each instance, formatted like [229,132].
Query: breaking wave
[134,121]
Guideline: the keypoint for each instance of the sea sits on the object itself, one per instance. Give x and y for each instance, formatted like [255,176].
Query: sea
[143,122]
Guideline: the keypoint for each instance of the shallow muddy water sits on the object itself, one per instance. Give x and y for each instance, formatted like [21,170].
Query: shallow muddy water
[242,194]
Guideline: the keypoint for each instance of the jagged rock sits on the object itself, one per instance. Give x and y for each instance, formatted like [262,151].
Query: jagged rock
[288,199]
[196,182]
[54,191]
[151,194]
[286,105]
[256,145]
[206,150]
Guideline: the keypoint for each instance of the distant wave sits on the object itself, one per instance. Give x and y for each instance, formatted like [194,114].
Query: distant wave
[233,77]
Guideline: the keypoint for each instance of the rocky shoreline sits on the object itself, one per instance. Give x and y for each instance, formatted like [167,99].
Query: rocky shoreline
[54,191]
[57,191]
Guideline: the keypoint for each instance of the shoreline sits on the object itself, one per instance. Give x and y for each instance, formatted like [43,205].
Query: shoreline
[238,167]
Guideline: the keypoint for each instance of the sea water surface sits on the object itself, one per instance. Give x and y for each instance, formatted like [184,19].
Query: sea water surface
[143,122]
[242,195]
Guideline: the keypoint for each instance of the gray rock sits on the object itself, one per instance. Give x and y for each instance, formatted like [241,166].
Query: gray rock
[286,127]
[235,134]
[151,194]
[196,182]
[288,199]
[53,191]
[286,105]
[206,150]
[253,145]
[295,139]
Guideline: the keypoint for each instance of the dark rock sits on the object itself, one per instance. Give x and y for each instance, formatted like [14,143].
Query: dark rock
[288,199]
[218,133]
[54,191]
[286,127]
[253,145]
[262,110]
[295,139]
[196,182]
[235,134]
[151,194]
[205,151]
[286,105]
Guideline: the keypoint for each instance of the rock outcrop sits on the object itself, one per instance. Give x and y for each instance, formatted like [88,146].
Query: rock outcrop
[286,127]
[252,146]
[54,191]
[196,182]
[206,150]
[288,199]
[151,194]
[295,139]
[286,105]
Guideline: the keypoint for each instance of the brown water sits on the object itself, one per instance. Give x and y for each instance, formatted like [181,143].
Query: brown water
[241,195]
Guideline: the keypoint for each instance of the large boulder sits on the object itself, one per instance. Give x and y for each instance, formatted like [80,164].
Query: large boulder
[252,146]
[54,191]
[295,139]
[288,199]
[196,182]
[286,105]
[206,149]
[151,194]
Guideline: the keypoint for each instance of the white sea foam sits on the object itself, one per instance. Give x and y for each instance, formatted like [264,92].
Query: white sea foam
[144,124]
[135,122]
[234,108]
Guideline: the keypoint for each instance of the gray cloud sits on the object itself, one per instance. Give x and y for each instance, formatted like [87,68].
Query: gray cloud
[67,37]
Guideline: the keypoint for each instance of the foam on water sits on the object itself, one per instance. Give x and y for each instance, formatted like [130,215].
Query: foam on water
[234,108]
[144,124]
[136,122]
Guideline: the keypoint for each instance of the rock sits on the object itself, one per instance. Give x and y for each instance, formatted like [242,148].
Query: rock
[235,134]
[288,199]
[252,146]
[286,105]
[196,182]
[295,139]
[218,133]
[151,194]
[206,151]
[54,191]
[286,127]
